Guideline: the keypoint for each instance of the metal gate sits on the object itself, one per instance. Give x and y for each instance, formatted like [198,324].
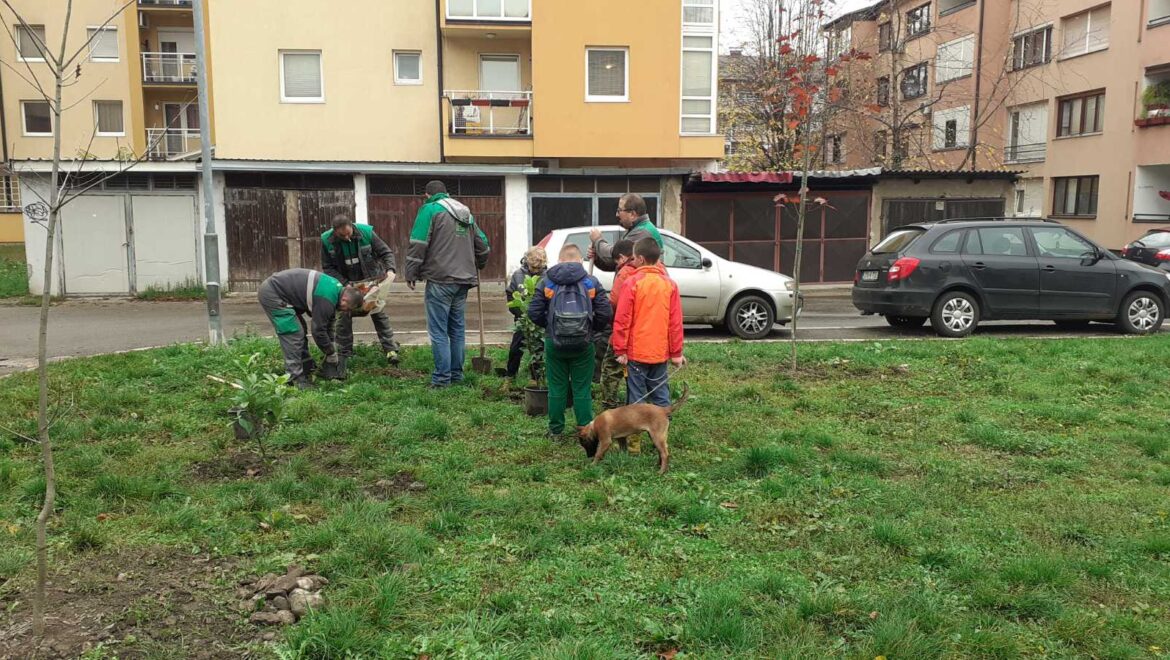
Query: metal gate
[900,212]
[271,230]
[394,202]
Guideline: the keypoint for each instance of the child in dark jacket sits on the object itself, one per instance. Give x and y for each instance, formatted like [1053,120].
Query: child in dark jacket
[534,262]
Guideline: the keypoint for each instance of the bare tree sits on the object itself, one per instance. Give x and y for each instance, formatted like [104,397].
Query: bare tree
[59,70]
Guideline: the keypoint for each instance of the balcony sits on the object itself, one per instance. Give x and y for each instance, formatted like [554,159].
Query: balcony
[172,143]
[169,69]
[1151,195]
[1155,100]
[1026,153]
[484,124]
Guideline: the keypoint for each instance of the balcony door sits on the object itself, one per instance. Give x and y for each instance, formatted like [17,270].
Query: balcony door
[171,43]
[180,118]
[499,73]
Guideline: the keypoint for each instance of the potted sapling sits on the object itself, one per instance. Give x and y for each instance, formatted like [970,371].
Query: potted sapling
[536,392]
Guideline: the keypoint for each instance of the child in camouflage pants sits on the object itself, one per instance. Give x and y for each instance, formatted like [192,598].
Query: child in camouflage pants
[612,374]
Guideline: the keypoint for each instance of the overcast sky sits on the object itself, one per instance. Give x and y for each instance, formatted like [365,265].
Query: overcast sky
[733,33]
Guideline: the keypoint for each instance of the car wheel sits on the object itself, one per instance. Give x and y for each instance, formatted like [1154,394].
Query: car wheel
[1072,325]
[1141,313]
[955,314]
[751,317]
[905,321]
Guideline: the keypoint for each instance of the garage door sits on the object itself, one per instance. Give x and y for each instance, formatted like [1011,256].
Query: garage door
[95,254]
[901,212]
[165,241]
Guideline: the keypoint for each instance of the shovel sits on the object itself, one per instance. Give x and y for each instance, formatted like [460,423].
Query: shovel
[481,364]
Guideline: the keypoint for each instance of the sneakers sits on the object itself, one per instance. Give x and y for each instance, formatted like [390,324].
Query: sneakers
[392,358]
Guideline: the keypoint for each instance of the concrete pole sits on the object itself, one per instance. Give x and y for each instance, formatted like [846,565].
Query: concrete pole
[210,238]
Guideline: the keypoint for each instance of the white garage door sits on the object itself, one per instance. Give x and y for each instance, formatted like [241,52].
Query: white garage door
[165,248]
[93,229]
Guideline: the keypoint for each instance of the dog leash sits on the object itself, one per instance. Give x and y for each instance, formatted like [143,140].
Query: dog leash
[655,388]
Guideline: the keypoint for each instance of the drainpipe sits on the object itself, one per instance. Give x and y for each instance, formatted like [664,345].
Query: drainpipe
[978,85]
[439,60]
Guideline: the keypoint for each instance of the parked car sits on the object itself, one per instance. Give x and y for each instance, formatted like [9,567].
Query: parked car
[959,273]
[1153,249]
[715,291]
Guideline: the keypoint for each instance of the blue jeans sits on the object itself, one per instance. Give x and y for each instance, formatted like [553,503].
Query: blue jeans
[446,323]
[641,378]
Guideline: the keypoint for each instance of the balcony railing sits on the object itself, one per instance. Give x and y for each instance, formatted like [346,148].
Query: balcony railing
[492,114]
[168,68]
[489,10]
[1026,153]
[165,3]
[171,143]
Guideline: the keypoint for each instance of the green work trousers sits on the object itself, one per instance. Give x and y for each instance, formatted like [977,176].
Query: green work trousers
[569,372]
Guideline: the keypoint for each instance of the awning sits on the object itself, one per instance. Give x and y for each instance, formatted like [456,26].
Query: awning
[746,177]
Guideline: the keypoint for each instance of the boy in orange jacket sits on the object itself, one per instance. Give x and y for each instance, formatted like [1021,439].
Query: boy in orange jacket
[647,327]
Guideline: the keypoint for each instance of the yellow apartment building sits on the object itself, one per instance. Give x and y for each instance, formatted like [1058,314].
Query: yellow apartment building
[1073,94]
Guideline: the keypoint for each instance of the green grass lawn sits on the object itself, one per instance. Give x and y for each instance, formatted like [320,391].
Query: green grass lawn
[13,277]
[975,499]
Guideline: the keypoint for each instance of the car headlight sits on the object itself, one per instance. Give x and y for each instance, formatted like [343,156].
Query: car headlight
[790,285]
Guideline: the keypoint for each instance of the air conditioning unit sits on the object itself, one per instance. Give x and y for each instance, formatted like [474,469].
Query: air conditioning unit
[143,21]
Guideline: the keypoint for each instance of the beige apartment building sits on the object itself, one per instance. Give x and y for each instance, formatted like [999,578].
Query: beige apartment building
[1072,94]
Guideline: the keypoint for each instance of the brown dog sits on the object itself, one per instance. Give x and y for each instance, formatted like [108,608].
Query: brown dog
[621,423]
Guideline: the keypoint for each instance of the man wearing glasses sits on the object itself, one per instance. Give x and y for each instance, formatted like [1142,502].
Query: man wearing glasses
[631,214]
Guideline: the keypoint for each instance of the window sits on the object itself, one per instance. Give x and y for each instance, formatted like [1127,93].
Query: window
[1075,195]
[1029,199]
[301,77]
[30,43]
[998,242]
[955,59]
[1032,48]
[107,117]
[902,142]
[840,41]
[1085,32]
[698,84]
[952,128]
[914,81]
[885,36]
[489,10]
[918,21]
[1081,115]
[945,6]
[1027,133]
[676,254]
[880,138]
[607,75]
[1061,243]
[835,149]
[38,119]
[699,12]
[897,241]
[883,91]
[103,44]
[948,243]
[9,195]
[407,67]
[1159,13]
[499,73]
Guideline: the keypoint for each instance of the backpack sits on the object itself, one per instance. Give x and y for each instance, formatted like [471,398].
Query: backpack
[570,320]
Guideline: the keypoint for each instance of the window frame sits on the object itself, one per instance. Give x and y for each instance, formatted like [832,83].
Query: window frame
[885,36]
[882,96]
[96,122]
[922,20]
[684,249]
[713,98]
[90,41]
[625,98]
[1083,99]
[399,80]
[19,31]
[967,68]
[1088,13]
[1043,253]
[925,81]
[1019,44]
[835,149]
[475,17]
[284,98]
[1060,193]
[711,4]
[24,120]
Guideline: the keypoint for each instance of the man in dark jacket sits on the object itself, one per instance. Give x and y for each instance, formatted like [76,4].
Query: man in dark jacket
[632,216]
[447,250]
[533,263]
[569,370]
[288,295]
[354,253]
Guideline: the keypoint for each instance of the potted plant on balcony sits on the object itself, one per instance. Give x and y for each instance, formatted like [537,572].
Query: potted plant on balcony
[536,392]
[1156,104]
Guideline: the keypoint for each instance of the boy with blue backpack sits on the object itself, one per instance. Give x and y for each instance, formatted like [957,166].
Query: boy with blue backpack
[570,305]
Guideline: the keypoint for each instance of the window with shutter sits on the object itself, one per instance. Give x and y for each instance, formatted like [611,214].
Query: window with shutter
[952,128]
[107,116]
[698,12]
[606,75]
[955,59]
[1086,32]
[29,43]
[698,84]
[301,77]
[1027,133]
[1032,48]
[103,44]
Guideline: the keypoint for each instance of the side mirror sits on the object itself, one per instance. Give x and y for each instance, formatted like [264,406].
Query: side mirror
[707,263]
[1090,258]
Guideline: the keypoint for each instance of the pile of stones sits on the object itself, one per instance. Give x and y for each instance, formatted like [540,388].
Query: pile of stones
[274,600]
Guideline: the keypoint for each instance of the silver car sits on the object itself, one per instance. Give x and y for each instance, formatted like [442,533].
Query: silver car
[748,300]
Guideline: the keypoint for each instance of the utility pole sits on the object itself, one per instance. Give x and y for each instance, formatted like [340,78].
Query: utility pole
[210,238]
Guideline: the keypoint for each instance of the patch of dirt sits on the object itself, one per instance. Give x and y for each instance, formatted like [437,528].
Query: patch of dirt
[403,482]
[135,603]
[396,372]
[240,465]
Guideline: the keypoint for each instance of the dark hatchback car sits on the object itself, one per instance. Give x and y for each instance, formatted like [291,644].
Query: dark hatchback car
[1153,249]
[958,273]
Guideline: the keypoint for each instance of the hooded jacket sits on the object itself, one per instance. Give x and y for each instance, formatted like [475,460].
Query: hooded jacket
[446,247]
[647,326]
[365,256]
[642,228]
[569,274]
[517,282]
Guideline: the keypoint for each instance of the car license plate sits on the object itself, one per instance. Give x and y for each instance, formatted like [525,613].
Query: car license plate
[869,275]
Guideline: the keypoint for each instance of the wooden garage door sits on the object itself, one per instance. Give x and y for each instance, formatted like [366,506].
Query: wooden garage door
[394,202]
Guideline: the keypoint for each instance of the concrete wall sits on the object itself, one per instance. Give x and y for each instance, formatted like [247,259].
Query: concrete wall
[365,116]
[515,219]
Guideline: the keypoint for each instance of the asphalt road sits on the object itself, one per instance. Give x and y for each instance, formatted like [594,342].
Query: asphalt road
[90,327]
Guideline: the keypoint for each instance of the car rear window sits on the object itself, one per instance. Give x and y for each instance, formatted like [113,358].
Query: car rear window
[1158,239]
[897,241]
[948,243]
